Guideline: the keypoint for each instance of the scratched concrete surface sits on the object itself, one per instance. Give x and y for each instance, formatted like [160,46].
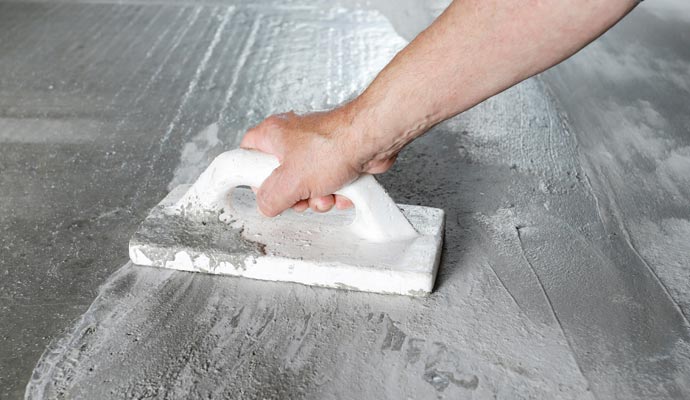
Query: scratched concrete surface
[566,262]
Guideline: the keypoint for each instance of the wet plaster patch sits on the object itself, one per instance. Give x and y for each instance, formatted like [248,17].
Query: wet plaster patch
[533,299]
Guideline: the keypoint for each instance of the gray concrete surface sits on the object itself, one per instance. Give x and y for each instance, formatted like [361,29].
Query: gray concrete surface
[566,265]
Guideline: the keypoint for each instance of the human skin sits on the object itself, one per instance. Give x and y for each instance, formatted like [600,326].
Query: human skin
[474,50]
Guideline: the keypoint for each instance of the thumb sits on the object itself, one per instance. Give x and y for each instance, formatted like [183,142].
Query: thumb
[280,191]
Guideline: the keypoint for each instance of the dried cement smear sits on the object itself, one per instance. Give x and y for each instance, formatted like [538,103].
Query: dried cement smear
[534,299]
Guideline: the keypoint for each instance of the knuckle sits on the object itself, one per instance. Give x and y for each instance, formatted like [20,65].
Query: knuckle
[264,201]
[265,196]
[249,136]
[273,122]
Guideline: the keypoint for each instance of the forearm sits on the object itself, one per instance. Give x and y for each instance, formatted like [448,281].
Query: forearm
[475,49]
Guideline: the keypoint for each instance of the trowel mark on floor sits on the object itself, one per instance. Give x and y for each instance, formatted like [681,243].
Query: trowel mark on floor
[296,348]
[394,336]
[511,268]
[440,372]
[672,253]
[653,326]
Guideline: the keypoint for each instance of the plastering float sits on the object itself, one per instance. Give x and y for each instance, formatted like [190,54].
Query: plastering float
[210,227]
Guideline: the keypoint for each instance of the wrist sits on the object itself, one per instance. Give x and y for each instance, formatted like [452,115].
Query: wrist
[353,134]
[377,131]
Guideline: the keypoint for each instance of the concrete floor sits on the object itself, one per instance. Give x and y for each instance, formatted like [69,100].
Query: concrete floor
[566,264]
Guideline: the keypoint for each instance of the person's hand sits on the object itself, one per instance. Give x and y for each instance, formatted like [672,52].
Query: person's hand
[318,153]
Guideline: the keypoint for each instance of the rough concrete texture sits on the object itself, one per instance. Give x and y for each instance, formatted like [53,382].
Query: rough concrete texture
[565,266]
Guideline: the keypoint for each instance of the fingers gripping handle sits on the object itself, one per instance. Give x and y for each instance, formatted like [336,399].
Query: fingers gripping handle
[377,218]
